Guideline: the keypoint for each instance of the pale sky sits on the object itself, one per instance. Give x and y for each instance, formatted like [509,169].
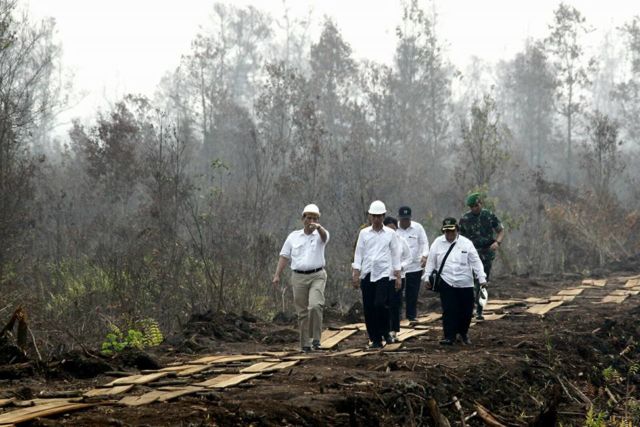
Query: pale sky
[120,46]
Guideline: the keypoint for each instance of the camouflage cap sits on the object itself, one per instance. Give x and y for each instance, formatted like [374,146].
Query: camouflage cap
[472,199]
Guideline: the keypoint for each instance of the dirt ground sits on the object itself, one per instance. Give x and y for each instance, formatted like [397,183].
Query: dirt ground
[524,369]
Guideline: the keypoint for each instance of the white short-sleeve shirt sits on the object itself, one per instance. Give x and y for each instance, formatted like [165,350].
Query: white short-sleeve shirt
[306,251]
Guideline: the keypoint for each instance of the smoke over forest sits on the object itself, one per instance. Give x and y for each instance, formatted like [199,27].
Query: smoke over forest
[168,206]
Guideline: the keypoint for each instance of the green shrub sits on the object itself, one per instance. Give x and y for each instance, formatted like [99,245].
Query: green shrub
[146,333]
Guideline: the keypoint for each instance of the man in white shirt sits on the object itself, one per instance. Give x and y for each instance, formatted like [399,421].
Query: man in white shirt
[415,236]
[456,287]
[376,258]
[305,249]
[395,306]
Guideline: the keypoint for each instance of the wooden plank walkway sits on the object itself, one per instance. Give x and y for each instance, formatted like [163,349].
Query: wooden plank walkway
[275,361]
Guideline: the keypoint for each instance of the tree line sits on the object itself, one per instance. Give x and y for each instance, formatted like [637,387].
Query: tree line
[172,205]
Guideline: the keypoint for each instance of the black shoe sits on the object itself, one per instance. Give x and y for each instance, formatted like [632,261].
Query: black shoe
[315,345]
[446,341]
[479,317]
[465,339]
[375,346]
[412,319]
[389,339]
[306,349]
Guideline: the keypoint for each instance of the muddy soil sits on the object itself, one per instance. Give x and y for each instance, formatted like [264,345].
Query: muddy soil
[524,369]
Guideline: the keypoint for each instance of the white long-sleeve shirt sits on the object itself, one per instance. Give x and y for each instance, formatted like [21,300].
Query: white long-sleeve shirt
[461,263]
[418,242]
[378,253]
[405,257]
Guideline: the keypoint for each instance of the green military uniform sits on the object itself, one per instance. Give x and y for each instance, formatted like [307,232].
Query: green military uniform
[481,230]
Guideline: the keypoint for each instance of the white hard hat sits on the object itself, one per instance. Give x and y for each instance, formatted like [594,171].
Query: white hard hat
[377,208]
[312,209]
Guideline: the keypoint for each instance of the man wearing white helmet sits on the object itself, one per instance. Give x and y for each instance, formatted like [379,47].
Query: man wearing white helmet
[376,259]
[305,249]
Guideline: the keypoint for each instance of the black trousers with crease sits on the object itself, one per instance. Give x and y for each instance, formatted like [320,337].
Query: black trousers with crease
[457,310]
[376,299]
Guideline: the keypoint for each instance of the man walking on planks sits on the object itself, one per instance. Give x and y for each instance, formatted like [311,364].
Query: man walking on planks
[413,233]
[461,262]
[305,249]
[376,259]
[486,232]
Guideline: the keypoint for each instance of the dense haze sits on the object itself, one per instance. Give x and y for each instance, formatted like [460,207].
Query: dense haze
[164,207]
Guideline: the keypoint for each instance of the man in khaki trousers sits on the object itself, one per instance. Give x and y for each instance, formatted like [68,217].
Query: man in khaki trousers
[305,249]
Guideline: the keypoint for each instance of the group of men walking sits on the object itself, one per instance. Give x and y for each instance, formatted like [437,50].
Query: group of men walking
[392,258]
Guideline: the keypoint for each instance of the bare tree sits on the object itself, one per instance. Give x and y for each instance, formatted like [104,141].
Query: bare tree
[564,46]
[27,57]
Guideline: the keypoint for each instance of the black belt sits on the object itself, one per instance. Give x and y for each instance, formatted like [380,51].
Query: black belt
[308,271]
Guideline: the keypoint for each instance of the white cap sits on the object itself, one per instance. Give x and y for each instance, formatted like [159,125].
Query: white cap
[312,209]
[377,208]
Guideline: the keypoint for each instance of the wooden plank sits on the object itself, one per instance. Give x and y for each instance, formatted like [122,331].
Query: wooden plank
[281,365]
[328,333]
[431,317]
[392,347]
[303,356]
[334,340]
[209,359]
[357,326]
[194,369]
[360,353]
[593,282]
[111,391]
[144,399]
[181,391]
[632,283]
[145,379]
[239,358]
[572,291]
[26,414]
[566,298]
[493,307]
[536,300]
[624,292]
[177,368]
[543,309]
[6,402]
[493,316]
[226,380]
[617,299]
[343,352]
[138,379]
[276,353]
[257,367]
[123,380]
[413,333]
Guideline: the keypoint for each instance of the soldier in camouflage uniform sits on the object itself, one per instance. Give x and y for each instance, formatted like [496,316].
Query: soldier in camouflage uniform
[486,232]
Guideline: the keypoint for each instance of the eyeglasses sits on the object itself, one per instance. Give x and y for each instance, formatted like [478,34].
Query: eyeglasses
[377,215]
